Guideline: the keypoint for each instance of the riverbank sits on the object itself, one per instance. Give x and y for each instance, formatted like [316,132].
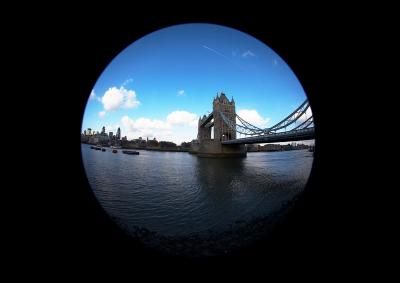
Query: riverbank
[156,149]
[189,150]
[147,148]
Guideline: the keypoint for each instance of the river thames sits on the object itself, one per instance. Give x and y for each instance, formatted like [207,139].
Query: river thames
[177,194]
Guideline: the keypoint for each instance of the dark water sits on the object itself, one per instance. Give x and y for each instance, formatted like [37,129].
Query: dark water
[178,194]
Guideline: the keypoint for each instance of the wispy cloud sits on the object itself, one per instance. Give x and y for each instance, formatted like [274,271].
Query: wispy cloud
[93,96]
[128,81]
[181,93]
[102,114]
[248,53]
[275,62]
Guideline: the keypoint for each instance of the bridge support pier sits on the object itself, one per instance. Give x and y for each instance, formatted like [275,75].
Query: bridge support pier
[211,148]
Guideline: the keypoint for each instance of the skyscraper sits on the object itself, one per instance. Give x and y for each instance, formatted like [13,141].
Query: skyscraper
[103,130]
[118,136]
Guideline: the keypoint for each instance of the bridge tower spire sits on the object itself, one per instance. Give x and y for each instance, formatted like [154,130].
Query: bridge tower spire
[221,131]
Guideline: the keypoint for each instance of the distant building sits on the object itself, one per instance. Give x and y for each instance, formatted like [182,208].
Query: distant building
[118,135]
[166,144]
[253,147]
[103,130]
[272,147]
[186,145]
[152,143]
[84,137]
[110,135]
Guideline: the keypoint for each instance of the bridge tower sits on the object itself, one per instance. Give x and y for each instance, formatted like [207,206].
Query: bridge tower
[208,147]
[204,133]
[221,131]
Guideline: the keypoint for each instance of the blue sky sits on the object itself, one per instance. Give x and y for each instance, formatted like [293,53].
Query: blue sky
[159,85]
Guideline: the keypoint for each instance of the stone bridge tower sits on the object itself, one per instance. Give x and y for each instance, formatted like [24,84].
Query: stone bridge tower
[221,131]
[204,133]
[208,147]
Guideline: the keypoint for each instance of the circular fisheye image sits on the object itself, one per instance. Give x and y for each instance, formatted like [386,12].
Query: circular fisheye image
[197,139]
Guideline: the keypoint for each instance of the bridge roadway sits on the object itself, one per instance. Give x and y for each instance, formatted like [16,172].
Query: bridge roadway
[294,135]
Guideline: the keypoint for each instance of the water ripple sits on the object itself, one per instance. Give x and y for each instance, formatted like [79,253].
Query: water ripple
[177,194]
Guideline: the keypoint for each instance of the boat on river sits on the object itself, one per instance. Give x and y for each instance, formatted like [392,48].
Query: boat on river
[131,152]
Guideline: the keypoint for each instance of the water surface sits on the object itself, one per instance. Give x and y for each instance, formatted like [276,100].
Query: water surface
[179,194]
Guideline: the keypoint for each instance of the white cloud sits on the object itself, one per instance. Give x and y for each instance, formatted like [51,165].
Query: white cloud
[180,133]
[115,98]
[248,53]
[130,100]
[112,99]
[252,116]
[92,95]
[182,118]
[144,127]
[179,126]
[181,93]
[102,114]
[144,123]
[305,116]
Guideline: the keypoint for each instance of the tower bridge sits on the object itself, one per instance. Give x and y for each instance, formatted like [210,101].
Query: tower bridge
[228,126]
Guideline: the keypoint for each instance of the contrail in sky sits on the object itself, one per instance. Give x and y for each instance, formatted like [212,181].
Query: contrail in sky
[222,55]
[215,51]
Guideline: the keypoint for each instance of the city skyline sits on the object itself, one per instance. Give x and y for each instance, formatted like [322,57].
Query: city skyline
[161,84]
